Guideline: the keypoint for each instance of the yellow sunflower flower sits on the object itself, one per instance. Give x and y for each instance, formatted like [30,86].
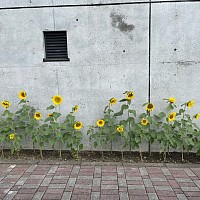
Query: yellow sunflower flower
[190,104]
[129,95]
[37,115]
[22,94]
[57,99]
[172,116]
[144,121]
[113,101]
[75,108]
[150,107]
[50,115]
[197,116]
[12,136]
[120,129]
[78,125]
[5,104]
[100,123]
[172,100]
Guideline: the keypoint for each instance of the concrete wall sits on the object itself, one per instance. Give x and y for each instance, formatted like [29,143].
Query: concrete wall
[105,60]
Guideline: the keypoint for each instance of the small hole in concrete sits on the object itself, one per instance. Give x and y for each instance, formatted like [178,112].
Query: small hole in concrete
[76,19]
[175,49]
[123,50]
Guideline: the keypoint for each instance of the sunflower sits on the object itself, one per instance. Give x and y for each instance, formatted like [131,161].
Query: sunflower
[100,123]
[197,116]
[172,100]
[120,129]
[50,115]
[22,94]
[113,101]
[150,107]
[172,116]
[75,108]
[37,115]
[5,104]
[78,125]
[12,136]
[190,104]
[130,95]
[144,121]
[57,99]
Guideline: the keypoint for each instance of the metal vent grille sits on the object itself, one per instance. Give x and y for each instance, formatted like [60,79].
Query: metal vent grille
[55,46]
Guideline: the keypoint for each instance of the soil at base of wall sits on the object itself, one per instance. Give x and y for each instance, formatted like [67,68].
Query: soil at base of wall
[96,156]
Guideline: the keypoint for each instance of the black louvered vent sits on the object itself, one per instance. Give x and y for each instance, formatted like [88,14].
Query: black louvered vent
[55,46]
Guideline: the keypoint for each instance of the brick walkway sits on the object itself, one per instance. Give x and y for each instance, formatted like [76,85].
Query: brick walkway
[105,181]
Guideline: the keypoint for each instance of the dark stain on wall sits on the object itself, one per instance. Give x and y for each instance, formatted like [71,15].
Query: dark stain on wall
[119,23]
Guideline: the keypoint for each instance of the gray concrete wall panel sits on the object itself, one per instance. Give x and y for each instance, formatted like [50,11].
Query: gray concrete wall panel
[175,53]
[108,51]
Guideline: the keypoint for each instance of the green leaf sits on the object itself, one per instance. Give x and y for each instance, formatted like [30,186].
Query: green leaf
[51,107]
[143,115]
[22,101]
[144,104]
[81,147]
[122,100]
[56,115]
[123,107]
[160,115]
[133,112]
[170,107]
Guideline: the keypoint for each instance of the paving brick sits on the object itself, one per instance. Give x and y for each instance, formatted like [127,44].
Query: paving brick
[165,193]
[152,196]
[143,171]
[123,196]
[80,197]
[23,197]
[95,195]
[188,189]
[167,188]
[189,172]
[79,191]
[21,181]
[38,195]
[57,185]
[27,191]
[110,192]
[50,196]
[110,197]
[10,195]
[109,177]
[181,197]
[137,192]
[166,171]
[109,187]
[30,185]
[71,182]
[192,194]
[53,170]
[138,197]
[147,183]
[183,179]
[66,196]
[136,187]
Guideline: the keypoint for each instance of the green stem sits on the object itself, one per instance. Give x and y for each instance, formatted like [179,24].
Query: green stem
[77,149]
[122,147]
[129,128]
[182,153]
[165,154]
[101,142]
[41,155]
[2,153]
[60,149]
[111,146]
[149,142]
[141,159]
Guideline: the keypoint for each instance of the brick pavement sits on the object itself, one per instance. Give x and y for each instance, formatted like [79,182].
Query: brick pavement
[105,181]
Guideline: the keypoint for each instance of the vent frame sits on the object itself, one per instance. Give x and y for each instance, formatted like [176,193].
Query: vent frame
[55,43]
